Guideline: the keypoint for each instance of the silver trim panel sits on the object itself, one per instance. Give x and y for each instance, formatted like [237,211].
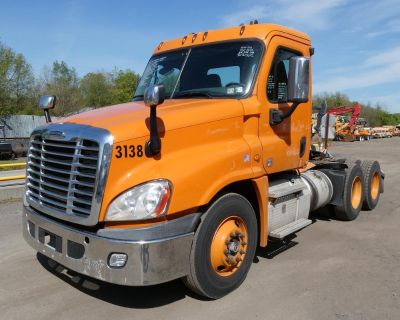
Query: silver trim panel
[149,262]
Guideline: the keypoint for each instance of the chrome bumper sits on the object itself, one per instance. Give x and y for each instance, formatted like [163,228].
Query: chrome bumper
[149,262]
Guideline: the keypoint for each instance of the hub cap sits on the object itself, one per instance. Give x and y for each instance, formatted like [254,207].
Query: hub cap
[229,245]
[356,192]
[375,183]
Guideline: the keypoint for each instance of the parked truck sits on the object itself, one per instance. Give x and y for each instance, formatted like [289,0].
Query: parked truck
[210,160]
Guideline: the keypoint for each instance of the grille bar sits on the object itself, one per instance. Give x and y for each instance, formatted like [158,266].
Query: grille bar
[61,175]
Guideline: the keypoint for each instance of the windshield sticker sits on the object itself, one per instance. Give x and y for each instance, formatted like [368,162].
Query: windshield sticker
[246,51]
[238,89]
[230,90]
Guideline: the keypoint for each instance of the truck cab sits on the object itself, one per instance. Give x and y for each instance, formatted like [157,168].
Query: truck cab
[210,159]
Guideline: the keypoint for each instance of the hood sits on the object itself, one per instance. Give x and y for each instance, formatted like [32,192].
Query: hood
[131,120]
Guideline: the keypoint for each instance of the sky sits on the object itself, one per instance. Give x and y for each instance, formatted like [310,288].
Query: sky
[357,43]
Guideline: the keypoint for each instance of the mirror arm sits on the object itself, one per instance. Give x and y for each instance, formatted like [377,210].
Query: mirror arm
[153,146]
[47,115]
[276,116]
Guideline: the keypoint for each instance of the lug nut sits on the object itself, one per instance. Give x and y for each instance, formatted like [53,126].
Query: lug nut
[242,252]
[238,259]
[244,243]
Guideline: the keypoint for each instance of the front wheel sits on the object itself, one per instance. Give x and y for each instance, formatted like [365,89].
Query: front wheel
[223,247]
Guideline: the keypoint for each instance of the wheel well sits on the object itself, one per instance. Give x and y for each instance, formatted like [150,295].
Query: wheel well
[246,189]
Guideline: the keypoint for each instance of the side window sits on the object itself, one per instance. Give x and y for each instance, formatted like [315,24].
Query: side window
[278,76]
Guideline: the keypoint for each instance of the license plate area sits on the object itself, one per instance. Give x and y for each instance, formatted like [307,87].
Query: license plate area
[50,240]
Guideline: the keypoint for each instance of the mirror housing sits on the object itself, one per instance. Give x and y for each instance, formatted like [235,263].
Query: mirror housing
[297,89]
[298,79]
[47,102]
[154,95]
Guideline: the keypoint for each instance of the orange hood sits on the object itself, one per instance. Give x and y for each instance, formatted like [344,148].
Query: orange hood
[131,120]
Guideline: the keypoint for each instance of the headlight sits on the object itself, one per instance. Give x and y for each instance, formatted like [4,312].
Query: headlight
[146,201]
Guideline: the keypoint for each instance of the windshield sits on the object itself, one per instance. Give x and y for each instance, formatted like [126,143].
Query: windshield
[214,70]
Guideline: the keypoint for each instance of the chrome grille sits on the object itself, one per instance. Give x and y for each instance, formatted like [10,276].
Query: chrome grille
[66,171]
[62,174]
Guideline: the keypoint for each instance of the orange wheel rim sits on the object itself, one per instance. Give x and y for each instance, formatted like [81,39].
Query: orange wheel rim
[229,246]
[375,185]
[356,192]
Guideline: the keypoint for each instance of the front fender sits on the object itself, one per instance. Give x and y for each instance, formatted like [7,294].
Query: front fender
[199,161]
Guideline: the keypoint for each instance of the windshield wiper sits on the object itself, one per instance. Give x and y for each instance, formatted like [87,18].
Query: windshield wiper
[188,94]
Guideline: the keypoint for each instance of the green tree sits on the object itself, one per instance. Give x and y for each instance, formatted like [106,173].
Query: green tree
[96,89]
[17,83]
[125,83]
[62,81]
[333,100]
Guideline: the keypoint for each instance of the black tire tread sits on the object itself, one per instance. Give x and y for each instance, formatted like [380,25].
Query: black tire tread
[342,211]
[366,167]
[191,280]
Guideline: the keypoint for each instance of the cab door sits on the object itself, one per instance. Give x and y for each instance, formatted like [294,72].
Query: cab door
[285,146]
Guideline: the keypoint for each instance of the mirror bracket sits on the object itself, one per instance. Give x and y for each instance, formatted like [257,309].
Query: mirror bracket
[153,96]
[277,116]
[47,115]
[153,146]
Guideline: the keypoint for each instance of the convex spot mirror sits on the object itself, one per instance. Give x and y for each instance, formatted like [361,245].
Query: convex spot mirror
[47,102]
[154,95]
[298,79]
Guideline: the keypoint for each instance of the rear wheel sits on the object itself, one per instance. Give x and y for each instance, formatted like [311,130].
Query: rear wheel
[223,247]
[373,182]
[353,194]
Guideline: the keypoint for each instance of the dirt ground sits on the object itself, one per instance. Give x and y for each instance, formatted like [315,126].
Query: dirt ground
[330,270]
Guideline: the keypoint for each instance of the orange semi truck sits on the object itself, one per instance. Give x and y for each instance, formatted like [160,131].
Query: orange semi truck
[210,160]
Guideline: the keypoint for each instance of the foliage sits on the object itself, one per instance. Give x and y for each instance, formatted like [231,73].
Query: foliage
[125,83]
[96,89]
[16,82]
[62,81]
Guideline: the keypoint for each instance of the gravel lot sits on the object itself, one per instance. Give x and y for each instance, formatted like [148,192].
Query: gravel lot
[330,270]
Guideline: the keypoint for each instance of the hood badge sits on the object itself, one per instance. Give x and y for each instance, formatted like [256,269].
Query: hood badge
[54,135]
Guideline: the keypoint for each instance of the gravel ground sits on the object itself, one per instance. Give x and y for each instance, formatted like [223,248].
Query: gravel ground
[330,270]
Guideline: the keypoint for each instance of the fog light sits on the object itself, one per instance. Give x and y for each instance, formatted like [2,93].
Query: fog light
[117,260]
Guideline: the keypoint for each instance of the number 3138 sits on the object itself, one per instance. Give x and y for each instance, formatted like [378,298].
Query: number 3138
[129,151]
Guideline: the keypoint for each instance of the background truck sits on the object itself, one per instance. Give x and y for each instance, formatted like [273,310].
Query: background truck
[6,150]
[210,160]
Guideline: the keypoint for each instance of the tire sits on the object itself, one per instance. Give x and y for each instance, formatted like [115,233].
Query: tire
[353,194]
[373,183]
[204,277]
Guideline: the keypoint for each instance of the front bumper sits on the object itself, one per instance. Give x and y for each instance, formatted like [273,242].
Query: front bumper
[149,262]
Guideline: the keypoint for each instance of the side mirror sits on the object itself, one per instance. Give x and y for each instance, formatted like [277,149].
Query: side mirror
[297,90]
[298,79]
[154,95]
[47,102]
